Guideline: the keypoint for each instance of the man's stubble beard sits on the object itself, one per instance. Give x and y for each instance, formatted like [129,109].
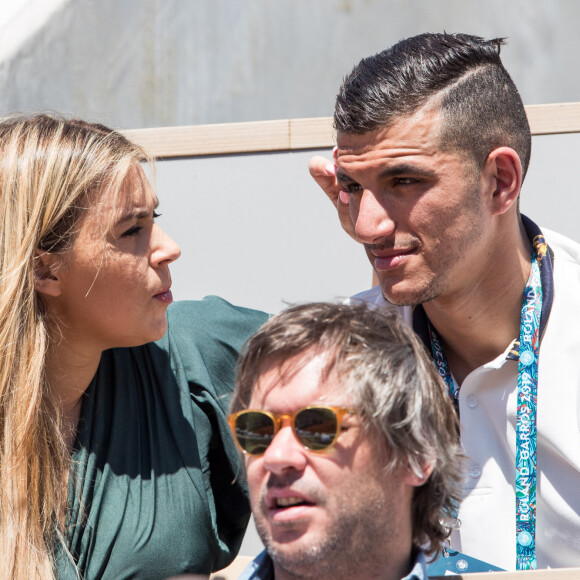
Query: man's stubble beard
[354,538]
[442,263]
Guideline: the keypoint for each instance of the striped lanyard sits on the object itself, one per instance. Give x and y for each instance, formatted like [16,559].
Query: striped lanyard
[529,350]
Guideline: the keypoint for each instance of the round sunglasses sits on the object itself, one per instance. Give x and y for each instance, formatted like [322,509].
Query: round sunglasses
[317,427]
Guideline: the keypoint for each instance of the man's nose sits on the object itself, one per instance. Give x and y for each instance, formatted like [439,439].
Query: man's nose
[285,452]
[371,217]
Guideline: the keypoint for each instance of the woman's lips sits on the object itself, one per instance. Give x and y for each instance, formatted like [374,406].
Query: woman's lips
[166,296]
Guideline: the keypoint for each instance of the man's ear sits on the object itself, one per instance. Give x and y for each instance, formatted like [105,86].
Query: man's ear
[415,480]
[46,280]
[504,168]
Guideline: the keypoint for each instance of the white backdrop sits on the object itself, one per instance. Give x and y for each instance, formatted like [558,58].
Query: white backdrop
[151,63]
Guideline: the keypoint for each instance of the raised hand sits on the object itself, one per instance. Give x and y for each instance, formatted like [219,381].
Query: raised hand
[323,171]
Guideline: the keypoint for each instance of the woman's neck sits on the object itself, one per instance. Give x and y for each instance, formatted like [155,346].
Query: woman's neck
[69,372]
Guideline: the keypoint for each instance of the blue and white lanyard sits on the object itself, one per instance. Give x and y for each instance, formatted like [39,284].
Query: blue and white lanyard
[440,361]
[525,476]
[526,437]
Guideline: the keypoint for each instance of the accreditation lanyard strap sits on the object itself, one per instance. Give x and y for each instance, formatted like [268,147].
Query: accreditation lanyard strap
[526,422]
[440,361]
[525,476]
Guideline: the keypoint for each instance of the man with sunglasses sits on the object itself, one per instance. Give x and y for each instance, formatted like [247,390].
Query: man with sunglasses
[351,446]
[433,145]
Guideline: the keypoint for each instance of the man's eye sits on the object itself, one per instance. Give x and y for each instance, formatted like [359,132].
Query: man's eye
[351,188]
[406,181]
[133,231]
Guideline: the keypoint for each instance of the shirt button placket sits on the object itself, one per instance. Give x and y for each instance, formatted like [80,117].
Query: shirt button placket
[472,402]
[474,471]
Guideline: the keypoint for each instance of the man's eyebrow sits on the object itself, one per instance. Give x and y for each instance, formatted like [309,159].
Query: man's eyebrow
[406,169]
[392,171]
[342,176]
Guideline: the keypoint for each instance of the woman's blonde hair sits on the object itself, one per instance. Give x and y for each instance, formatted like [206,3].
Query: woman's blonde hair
[48,166]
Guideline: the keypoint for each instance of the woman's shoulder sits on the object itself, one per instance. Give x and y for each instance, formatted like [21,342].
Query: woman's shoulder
[211,329]
[213,316]
[210,308]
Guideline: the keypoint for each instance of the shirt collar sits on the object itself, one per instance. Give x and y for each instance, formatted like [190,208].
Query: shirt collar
[262,568]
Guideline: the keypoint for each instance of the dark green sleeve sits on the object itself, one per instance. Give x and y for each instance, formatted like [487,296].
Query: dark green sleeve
[216,330]
[204,339]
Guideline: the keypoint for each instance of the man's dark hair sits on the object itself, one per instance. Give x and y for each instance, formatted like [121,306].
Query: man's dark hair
[479,103]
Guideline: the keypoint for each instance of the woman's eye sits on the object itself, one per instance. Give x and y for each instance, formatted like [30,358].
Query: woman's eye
[133,231]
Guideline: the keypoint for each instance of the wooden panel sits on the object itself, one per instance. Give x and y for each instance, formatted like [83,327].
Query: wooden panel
[315,133]
[554,574]
[552,119]
[289,134]
[225,138]
[238,565]
[233,571]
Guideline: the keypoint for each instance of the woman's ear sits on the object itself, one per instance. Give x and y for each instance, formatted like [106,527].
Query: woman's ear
[46,281]
[505,169]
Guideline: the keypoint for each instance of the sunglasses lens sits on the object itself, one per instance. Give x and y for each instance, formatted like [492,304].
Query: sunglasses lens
[254,432]
[316,428]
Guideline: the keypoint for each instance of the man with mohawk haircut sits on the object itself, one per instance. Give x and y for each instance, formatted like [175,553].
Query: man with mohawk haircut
[433,144]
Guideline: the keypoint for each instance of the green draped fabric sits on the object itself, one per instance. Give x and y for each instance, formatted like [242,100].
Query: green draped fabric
[155,487]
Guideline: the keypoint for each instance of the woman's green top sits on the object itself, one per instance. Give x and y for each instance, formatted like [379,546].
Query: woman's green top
[155,487]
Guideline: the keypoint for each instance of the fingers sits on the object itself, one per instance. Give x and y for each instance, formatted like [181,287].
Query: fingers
[323,172]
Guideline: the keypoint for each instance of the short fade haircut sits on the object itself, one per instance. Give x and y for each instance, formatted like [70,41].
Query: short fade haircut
[385,370]
[461,74]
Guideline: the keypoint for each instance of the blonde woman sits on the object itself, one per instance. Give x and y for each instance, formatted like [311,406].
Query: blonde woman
[115,456]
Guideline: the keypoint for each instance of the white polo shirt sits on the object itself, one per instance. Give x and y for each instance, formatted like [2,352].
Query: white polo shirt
[487,407]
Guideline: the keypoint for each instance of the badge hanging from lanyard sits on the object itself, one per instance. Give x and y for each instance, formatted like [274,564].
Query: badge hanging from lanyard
[525,473]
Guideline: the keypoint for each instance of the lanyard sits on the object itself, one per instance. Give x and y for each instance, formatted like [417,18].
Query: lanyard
[440,361]
[525,473]
[526,422]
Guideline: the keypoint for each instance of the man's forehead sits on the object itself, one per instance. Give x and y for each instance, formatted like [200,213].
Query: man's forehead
[307,378]
[423,125]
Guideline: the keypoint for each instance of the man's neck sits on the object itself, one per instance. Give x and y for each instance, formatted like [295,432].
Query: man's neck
[393,568]
[478,324]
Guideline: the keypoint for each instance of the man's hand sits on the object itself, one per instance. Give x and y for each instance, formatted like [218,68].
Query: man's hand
[324,173]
